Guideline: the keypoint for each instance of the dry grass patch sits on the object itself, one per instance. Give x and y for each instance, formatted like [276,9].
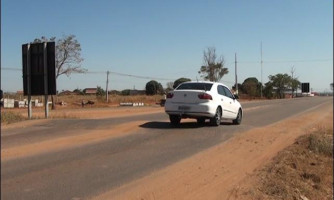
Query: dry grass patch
[18,115]
[100,101]
[73,102]
[302,171]
[322,142]
[8,117]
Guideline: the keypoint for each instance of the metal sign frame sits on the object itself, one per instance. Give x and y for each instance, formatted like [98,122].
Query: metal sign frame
[38,68]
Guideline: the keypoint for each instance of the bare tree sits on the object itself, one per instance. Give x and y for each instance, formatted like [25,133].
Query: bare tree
[169,86]
[294,82]
[68,56]
[213,68]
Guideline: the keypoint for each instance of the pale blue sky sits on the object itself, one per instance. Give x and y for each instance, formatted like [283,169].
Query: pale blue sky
[166,39]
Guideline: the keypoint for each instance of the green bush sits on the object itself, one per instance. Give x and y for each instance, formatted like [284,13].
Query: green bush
[179,81]
[153,88]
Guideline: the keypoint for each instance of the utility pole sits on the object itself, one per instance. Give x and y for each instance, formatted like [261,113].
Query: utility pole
[261,70]
[292,81]
[107,95]
[236,76]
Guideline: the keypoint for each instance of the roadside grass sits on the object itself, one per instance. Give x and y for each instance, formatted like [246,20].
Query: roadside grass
[74,101]
[8,117]
[322,142]
[113,100]
[302,171]
[62,115]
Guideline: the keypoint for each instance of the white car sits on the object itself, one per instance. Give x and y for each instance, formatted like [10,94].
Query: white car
[203,100]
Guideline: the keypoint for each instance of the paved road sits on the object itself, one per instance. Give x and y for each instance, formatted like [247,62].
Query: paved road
[89,169]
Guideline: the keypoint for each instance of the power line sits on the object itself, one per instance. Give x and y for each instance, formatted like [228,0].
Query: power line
[96,72]
[144,77]
[11,69]
[288,61]
[172,79]
[141,77]
[111,72]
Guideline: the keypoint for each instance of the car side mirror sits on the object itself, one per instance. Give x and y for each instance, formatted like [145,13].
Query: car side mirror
[236,96]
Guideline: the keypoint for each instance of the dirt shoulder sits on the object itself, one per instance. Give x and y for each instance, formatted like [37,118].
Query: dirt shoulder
[218,172]
[303,170]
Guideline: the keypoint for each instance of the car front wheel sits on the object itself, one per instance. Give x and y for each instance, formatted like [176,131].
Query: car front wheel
[237,120]
[215,121]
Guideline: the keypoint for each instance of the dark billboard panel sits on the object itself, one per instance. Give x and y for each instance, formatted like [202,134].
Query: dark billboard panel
[305,87]
[36,61]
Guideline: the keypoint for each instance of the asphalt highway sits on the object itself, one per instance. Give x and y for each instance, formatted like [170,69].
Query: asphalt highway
[80,171]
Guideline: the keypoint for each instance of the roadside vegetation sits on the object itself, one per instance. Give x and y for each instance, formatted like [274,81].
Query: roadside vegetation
[8,117]
[65,103]
[17,115]
[301,171]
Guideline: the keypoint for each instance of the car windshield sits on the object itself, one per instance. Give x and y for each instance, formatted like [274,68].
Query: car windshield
[195,86]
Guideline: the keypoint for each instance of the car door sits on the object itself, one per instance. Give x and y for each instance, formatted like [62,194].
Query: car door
[224,102]
[232,107]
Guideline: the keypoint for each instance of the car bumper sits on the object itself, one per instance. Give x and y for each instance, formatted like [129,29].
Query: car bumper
[190,110]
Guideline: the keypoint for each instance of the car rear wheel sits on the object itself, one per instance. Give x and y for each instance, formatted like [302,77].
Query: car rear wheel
[237,120]
[174,119]
[215,121]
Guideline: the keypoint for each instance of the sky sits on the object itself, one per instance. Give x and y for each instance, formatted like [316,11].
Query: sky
[165,40]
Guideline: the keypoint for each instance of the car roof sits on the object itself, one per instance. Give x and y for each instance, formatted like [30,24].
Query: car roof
[205,82]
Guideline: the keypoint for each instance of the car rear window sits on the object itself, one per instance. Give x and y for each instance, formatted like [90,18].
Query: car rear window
[195,86]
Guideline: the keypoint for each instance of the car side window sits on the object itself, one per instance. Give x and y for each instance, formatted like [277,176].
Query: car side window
[221,90]
[228,93]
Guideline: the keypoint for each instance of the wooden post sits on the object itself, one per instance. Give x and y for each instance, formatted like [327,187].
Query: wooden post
[236,76]
[29,81]
[46,81]
[107,86]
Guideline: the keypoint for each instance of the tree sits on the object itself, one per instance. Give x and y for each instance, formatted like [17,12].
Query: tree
[268,90]
[294,85]
[251,86]
[68,56]
[100,91]
[125,92]
[153,87]
[213,68]
[78,91]
[294,82]
[240,88]
[280,83]
[179,81]
[169,86]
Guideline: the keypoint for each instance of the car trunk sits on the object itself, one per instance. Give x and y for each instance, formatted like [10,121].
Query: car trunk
[187,96]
